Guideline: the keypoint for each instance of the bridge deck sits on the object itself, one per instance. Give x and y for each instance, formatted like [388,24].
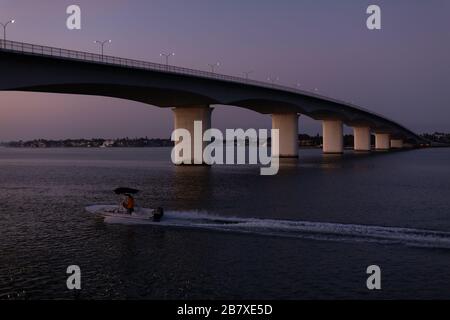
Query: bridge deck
[59,53]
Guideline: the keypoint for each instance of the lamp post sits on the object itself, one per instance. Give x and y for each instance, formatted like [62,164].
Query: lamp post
[167,56]
[102,45]
[247,73]
[4,25]
[214,66]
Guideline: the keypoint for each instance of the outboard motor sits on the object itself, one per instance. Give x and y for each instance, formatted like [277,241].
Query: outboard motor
[158,214]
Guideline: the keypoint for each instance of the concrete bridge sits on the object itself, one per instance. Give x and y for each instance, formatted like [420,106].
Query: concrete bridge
[190,93]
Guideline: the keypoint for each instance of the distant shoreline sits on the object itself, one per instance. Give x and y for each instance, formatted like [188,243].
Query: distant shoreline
[305,141]
[433,146]
[90,143]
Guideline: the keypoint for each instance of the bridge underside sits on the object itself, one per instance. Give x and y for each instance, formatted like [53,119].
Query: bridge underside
[23,72]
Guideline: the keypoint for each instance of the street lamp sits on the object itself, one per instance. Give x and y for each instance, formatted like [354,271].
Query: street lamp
[167,56]
[4,25]
[102,45]
[214,66]
[247,73]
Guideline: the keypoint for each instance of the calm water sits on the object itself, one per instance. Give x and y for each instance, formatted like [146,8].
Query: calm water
[309,232]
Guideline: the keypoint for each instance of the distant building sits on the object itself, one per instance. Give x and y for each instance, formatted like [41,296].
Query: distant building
[107,144]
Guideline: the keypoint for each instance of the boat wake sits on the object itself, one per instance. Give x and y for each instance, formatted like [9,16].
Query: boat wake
[294,229]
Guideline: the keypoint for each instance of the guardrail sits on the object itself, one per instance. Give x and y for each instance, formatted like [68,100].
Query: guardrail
[138,64]
[33,49]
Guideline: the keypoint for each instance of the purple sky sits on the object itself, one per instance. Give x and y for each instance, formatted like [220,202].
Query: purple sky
[401,71]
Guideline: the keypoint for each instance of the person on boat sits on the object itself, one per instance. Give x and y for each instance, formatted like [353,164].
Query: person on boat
[129,203]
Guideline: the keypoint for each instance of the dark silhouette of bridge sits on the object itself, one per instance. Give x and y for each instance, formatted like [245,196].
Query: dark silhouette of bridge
[36,68]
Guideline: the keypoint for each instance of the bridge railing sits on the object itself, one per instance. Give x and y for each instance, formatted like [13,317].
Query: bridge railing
[33,49]
[105,59]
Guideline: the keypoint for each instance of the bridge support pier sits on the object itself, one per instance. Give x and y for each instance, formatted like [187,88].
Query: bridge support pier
[396,143]
[287,124]
[333,137]
[362,139]
[185,118]
[382,141]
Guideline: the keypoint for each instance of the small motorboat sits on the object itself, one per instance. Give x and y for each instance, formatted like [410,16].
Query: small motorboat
[130,213]
[117,211]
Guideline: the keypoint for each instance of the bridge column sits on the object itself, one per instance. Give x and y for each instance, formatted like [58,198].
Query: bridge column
[333,137]
[287,124]
[184,118]
[362,139]
[396,143]
[382,141]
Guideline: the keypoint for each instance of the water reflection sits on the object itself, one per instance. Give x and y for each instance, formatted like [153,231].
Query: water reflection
[191,186]
[288,165]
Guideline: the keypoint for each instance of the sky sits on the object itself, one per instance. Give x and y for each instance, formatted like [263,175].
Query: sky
[401,71]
